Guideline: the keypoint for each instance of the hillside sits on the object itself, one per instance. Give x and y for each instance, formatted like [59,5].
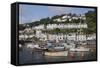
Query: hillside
[89,18]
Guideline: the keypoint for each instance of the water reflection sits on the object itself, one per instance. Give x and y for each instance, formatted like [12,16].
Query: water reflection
[27,55]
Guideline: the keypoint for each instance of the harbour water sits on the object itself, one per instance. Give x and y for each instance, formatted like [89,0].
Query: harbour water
[27,55]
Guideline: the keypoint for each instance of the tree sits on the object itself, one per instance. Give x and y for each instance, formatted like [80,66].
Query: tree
[57,30]
[21,27]
[91,21]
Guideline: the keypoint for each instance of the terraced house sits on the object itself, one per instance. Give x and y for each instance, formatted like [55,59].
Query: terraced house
[67,27]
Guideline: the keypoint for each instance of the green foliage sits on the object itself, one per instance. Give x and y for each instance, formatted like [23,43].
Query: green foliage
[21,27]
[91,21]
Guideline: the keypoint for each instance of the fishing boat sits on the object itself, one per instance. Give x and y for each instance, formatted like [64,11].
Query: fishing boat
[32,46]
[53,50]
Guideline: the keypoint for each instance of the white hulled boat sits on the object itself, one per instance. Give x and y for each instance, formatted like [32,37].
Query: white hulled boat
[79,49]
[58,53]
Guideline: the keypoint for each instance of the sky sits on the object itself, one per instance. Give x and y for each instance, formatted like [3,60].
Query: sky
[31,13]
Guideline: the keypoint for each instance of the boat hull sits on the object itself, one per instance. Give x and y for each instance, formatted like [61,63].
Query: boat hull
[61,53]
[75,49]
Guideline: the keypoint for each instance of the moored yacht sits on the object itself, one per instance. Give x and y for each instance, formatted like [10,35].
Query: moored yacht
[56,51]
[79,49]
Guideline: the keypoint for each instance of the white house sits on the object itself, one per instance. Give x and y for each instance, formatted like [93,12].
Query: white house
[59,20]
[38,27]
[63,26]
[65,17]
[59,37]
